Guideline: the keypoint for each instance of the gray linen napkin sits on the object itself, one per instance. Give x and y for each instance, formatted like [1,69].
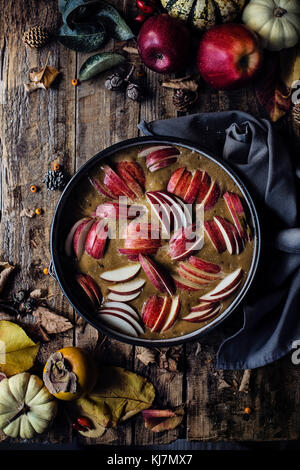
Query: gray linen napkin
[259,156]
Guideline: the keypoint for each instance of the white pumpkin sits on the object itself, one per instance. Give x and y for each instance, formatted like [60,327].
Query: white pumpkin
[26,406]
[276,21]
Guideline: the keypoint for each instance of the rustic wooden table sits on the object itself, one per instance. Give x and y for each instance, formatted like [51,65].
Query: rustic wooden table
[72,124]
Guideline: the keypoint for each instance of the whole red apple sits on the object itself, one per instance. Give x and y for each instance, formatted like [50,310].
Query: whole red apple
[229,56]
[164,44]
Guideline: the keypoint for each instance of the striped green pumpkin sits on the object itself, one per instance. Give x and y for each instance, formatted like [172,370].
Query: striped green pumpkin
[203,14]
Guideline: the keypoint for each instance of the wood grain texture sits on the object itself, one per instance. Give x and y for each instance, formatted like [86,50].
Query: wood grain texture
[71,124]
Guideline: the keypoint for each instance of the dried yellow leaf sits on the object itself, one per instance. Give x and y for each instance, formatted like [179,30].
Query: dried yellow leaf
[17,350]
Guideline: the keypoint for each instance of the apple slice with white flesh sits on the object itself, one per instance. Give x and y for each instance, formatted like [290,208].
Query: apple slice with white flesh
[162,154]
[163,315]
[192,278]
[197,317]
[151,310]
[70,236]
[212,196]
[125,273]
[115,306]
[96,239]
[203,306]
[236,209]
[225,228]
[157,275]
[215,236]
[90,287]
[127,288]
[101,188]
[193,188]
[182,215]
[152,148]
[115,184]
[183,184]
[162,211]
[119,323]
[189,268]
[185,241]
[132,318]
[162,164]
[174,179]
[80,236]
[185,284]
[204,265]
[123,297]
[173,314]
[114,210]
[204,187]
[130,181]
[225,288]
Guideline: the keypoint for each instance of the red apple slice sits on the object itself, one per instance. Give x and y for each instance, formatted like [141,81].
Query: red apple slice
[126,316]
[225,288]
[204,186]
[141,230]
[184,284]
[101,189]
[193,188]
[206,266]
[135,170]
[80,236]
[151,310]
[125,273]
[152,148]
[162,164]
[192,278]
[184,242]
[203,306]
[96,239]
[162,211]
[236,209]
[120,306]
[181,215]
[159,155]
[189,268]
[174,179]
[197,317]
[115,184]
[225,228]
[173,314]
[130,181]
[90,287]
[133,253]
[70,236]
[129,287]
[119,323]
[183,184]
[114,210]
[212,196]
[123,297]
[160,278]
[215,236]
[163,315]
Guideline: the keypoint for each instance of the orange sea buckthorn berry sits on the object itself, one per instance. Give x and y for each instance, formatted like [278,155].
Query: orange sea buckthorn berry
[38,211]
[74,82]
[46,271]
[56,166]
[247,410]
[33,188]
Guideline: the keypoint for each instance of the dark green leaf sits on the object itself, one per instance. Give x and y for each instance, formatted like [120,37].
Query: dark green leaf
[83,38]
[80,11]
[99,63]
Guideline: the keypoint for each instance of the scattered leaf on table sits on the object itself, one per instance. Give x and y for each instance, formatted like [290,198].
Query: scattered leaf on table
[118,395]
[186,83]
[146,356]
[82,38]
[5,270]
[50,321]
[41,77]
[17,350]
[271,92]
[75,410]
[162,420]
[99,63]
[290,65]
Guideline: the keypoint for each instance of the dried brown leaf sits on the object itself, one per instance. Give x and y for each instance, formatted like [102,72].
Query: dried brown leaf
[27,213]
[163,420]
[37,294]
[5,270]
[186,83]
[41,77]
[50,321]
[146,356]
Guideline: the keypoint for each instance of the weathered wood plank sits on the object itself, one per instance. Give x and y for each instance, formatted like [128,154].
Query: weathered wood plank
[33,134]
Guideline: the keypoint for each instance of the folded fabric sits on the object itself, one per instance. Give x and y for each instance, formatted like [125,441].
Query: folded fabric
[261,159]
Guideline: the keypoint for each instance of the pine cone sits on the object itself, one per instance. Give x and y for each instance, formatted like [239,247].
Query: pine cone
[36,37]
[183,99]
[115,82]
[134,91]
